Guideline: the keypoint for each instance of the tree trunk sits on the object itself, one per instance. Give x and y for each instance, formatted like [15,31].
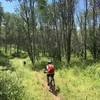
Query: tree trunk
[94,31]
[85,29]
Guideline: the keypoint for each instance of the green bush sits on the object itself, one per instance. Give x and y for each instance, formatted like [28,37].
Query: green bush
[20,54]
[58,64]
[4,61]
[43,62]
[10,86]
[40,65]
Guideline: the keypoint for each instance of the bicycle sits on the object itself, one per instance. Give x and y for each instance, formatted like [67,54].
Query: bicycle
[51,83]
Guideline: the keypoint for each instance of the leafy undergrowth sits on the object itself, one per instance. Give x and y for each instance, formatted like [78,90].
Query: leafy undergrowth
[74,83]
[4,61]
[79,84]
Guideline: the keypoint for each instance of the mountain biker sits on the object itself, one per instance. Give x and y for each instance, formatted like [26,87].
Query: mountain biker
[49,69]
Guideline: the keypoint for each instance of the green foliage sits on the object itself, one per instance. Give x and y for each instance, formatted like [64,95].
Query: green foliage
[31,80]
[20,54]
[77,83]
[10,86]
[1,13]
[80,81]
[4,61]
[41,64]
[58,64]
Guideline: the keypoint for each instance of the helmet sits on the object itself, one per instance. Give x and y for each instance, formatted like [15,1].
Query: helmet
[49,61]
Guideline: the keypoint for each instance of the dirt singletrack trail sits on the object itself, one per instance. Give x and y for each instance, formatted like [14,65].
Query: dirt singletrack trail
[54,96]
[44,83]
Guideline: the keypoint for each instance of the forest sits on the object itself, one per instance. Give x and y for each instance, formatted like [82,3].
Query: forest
[59,30]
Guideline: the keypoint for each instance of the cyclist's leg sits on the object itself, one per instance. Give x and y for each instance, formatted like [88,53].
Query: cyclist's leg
[48,78]
[52,75]
[48,81]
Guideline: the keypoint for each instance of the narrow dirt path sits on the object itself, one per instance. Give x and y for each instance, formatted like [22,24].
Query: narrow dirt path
[46,87]
[54,96]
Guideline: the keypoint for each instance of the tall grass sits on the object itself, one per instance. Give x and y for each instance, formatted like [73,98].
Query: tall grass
[79,81]
[79,84]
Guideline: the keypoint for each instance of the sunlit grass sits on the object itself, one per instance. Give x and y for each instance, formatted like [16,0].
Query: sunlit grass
[75,82]
[33,81]
[78,84]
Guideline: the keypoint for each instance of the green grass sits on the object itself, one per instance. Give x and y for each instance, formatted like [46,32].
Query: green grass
[78,82]
[33,81]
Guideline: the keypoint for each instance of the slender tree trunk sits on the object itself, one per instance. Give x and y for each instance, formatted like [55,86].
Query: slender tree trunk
[0,33]
[33,30]
[69,25]
[58,50]
[85,29]
[0,26]
[94,31]
[6,40]
[10,49]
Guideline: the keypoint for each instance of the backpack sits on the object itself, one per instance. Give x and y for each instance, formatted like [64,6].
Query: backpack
[50,68]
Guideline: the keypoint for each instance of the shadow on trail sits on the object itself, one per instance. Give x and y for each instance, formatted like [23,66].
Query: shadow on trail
[56,92]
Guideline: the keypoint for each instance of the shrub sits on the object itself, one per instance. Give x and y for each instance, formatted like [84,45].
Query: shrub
[4,61]
[40,65]
[10,86]
[43,62]
[20,54]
